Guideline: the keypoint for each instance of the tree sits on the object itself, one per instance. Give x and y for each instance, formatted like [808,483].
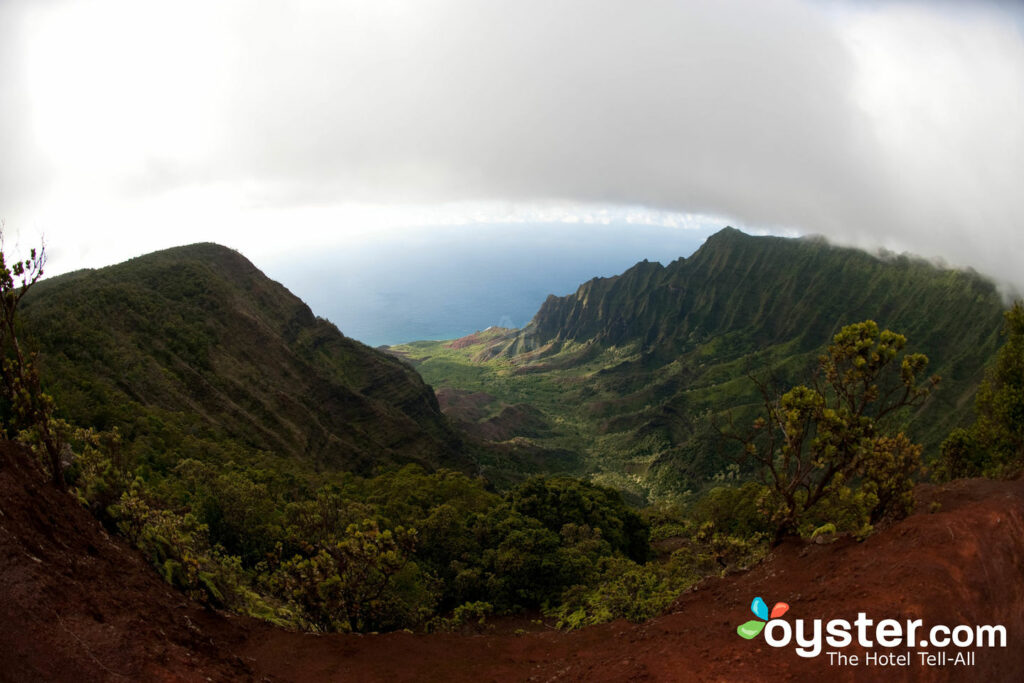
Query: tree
[821,446]
[557,501]
[31,409]
[355,582]
[1000,400]
[994,444]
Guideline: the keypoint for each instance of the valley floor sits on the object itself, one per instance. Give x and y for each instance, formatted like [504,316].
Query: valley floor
[78,604]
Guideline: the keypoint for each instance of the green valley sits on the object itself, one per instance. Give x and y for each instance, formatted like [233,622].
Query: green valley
[265,463]
[637,373]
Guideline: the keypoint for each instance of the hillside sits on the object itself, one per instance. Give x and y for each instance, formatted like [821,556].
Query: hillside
[765,291]
[192,351]
[78,604]
[629,369]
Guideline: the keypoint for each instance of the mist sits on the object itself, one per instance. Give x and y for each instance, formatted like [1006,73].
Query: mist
[896,125]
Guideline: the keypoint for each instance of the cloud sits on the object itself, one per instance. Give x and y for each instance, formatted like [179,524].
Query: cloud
[22,171]
[896,124]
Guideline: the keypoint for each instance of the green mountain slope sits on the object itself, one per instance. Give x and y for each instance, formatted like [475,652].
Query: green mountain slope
[193,350]
[631,370]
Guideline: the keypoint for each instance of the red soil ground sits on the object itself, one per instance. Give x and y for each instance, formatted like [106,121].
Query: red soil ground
[77,604]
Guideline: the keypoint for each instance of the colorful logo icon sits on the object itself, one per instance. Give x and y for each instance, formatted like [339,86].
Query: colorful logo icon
[753,627]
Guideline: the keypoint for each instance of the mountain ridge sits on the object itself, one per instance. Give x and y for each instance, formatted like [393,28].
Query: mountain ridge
[631,366]
[199,336]
[689,286]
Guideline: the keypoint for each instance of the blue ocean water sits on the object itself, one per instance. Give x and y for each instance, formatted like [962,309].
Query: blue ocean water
[448,282]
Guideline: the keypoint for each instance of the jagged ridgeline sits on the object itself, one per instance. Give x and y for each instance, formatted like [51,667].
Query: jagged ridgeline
[632,370]
[193,352]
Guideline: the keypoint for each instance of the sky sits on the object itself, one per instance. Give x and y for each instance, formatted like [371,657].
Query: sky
[128,126]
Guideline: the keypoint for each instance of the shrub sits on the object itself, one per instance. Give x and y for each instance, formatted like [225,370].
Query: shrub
[823,444]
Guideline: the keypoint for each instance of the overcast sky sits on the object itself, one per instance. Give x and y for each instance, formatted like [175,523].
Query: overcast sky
[128,126]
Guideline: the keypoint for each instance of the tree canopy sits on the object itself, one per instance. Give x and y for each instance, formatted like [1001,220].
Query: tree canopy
[994,443]
[823,448]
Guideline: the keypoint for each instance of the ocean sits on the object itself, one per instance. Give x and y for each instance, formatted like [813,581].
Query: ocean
[444,283]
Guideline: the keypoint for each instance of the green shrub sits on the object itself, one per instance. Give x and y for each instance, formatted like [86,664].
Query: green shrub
[557,501]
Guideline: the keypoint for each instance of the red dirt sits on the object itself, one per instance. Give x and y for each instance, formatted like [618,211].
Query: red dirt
[478,337]
[463,342]
[76,604]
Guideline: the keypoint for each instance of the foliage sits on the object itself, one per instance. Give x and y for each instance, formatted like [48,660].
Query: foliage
[408,548]
[733,510]
[623,589]
[626,370]
[239,513]
[405,549]
[471,614]
[711,552]
[178,546]
[888,476]
[960,456]
[822,445]
[363,581]
[99,472]
[29,410]
[237,472]
[193,353]
[994,444]
[437,550]
[557,502]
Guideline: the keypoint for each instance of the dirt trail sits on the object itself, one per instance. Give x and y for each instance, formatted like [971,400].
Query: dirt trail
[76,604]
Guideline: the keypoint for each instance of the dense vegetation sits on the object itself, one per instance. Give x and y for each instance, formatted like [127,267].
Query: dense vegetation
[630,372]
[266,464]
[409,549]
[993,445]
[823,449]
[255,456]
[405,549]
[193,353]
